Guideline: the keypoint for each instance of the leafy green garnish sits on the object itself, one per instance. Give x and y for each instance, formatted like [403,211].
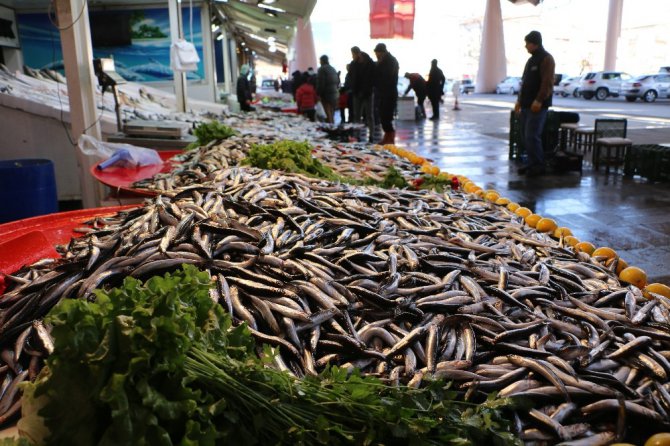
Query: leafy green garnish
[210,131]
[160,364]
[289,156]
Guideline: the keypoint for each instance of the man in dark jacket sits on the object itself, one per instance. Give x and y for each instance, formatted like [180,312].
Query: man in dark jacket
[386,87]
[244,89]
[362,75]
[435,86]
[328,87]
[418,84]
[537,88]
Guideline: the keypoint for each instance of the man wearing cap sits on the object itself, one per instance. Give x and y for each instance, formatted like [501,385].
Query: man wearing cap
[534,100]
[386,85]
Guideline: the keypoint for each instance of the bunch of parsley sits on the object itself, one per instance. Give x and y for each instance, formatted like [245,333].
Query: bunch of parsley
[161,364]
[210,131]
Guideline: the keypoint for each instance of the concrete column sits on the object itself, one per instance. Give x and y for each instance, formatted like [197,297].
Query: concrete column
[613,33]
[303,48]
[75,39]
[208,50]
[234,63]
[176,33]
[492,60]
[227,68]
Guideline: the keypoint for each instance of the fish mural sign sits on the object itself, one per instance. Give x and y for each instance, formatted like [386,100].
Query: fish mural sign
[146,59]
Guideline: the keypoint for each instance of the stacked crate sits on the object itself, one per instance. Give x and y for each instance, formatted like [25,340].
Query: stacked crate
[549,135]
[651,161]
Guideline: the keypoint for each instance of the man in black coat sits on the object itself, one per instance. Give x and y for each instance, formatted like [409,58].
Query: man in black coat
[386,87]
[435,85]
[532,105]
[362,77]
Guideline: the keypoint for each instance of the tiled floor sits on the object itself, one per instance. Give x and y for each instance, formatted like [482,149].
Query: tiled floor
[627,214]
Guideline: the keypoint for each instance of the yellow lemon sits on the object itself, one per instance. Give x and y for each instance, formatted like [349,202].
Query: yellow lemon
[502,201]
[523,212]
[634,276]
[657,288]
[513,206]
[491,196]
[435,170]
[586,247]
[570,240]
[662,439]
[621,265]
[546,225]
[480,192]
[562,232]
[532,219]
[604,251]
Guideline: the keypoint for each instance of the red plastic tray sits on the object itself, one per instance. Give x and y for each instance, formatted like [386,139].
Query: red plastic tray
[122,178]
[23,242]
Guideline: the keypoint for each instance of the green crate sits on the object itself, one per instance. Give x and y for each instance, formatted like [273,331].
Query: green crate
[651,161]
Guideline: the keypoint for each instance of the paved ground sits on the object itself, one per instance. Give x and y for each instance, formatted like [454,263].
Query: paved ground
[630,215]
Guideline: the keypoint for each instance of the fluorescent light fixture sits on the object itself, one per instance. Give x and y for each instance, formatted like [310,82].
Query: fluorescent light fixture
[219,37]
[271,39]
[271,8]
[215,28]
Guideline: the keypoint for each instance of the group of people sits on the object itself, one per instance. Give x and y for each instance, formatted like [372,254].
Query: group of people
[371,92]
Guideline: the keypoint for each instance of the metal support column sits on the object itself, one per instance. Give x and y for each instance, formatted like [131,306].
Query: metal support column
[227,68]
[176,33]
[78,60]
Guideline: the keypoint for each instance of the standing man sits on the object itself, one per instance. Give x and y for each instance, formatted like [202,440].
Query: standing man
[244,96]
[436,82]
[534,100]
[327,87]
[386,84]
[362,81]
[418,84]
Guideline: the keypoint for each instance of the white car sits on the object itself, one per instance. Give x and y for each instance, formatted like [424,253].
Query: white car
[568,87]
[648,87]
[603,84]
[509,85]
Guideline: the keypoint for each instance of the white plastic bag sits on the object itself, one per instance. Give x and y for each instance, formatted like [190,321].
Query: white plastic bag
[116,154]
[183,56]
[320,111]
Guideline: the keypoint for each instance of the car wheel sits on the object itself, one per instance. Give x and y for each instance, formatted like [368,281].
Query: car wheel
[564,94]
[650,96]
[631,98]
[587,95]
[601,94]
[576,93]
[498,90]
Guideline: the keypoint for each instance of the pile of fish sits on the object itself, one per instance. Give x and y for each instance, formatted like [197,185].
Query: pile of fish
[203,164]
[48,88]
[410,286]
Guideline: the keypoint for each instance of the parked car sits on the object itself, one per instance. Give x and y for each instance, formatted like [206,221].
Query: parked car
[467,86]
[602,84]
[510,85]
[648,87]
[569,86]
[267,85]
[558,77]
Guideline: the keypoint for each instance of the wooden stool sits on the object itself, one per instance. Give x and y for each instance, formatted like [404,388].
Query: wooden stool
[567,135]
[615,152]
[584,140]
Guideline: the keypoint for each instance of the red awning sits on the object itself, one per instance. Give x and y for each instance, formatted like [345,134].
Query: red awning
[391,19]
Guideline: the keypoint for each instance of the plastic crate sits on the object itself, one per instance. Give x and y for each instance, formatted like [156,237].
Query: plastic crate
[651,161]
[549,135]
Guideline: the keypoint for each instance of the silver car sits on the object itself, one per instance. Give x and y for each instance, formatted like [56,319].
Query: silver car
[511,85]
[603,84]
[568,87]
[648,87]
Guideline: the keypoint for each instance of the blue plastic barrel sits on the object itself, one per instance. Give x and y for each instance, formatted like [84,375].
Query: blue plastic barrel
[27,189]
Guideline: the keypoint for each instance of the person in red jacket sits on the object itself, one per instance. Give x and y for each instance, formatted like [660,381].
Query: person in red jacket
[306,98]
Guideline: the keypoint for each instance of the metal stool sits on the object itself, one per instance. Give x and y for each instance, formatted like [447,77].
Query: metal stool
[584,140]
[614,149]
[567,135]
